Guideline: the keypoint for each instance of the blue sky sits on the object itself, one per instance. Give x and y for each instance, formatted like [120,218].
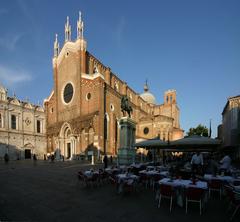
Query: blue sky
[192,46]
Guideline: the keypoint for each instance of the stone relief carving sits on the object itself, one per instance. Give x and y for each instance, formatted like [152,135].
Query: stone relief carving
[27,121]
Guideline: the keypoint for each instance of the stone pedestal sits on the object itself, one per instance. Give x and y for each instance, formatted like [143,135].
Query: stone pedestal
[126,152]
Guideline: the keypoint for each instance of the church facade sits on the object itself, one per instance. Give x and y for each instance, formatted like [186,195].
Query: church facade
[84,107]
[22,128]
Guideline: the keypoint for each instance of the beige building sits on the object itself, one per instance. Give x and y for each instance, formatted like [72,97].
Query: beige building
[22,128]
[230,129]
[84,107]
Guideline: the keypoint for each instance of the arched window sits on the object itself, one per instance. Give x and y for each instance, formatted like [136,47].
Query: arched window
[83,140]
[106,126]
[116,86]
[116,135]
[91,136]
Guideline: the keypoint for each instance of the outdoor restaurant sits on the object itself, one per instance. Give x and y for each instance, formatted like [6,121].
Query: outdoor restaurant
[186,171]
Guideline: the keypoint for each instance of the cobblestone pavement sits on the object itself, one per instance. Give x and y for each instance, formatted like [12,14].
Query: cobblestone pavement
[51,192]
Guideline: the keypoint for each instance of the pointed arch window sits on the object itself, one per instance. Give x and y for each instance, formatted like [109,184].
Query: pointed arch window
[106,126]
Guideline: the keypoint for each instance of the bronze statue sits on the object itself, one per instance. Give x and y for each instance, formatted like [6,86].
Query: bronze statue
[125,107]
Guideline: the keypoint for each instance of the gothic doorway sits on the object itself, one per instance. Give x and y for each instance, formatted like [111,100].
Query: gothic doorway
[68,150]
[67,142]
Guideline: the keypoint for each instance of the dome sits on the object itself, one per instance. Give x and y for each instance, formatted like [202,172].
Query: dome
[147,96]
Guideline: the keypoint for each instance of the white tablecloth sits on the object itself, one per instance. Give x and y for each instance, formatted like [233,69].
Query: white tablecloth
[218,177]
[183,183]
[89,173]
[124,176]
[154,172]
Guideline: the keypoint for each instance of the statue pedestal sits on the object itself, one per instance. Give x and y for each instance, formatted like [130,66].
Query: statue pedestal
[126,152]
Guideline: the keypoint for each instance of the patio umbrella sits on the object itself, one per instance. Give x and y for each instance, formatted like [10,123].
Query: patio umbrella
[195,143]
[151,143]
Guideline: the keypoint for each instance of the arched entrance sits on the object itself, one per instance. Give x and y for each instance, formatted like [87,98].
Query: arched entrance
[28,150]
[67,142]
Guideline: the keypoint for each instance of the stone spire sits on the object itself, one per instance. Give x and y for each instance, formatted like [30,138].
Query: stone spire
[146,87]
[80,26]
[67,31]
[56,46]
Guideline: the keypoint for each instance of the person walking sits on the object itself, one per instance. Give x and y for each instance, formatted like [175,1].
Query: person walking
[6,158]
[105,161]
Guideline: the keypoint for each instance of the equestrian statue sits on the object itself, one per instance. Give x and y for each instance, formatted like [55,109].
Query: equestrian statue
[125,106]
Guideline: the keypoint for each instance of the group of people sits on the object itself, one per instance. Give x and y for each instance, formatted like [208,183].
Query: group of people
[223,166]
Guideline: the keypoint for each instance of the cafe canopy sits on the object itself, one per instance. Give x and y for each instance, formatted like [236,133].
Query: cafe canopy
[195,143]
[186,144]
[154,143]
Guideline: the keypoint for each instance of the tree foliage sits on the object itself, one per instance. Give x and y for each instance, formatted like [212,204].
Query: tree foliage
[200,130]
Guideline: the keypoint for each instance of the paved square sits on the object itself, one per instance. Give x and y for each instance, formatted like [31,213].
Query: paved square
[51,192]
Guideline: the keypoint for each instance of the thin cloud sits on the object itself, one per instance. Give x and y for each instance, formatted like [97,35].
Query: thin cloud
[11,76]
[10,42]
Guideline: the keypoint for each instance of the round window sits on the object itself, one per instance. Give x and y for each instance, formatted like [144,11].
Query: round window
[88,96]
[146,130]
[68,93]
[112,107]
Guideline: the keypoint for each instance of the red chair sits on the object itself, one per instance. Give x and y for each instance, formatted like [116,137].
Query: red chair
[156,178]
[228,192]
[166,191]
[81,177]
[194,195]
[234,198]
[215,185]
[144,179]
[112,180]
[94,179]
[129,186]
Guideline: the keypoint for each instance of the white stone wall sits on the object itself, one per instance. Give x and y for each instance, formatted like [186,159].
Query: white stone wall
[25,136]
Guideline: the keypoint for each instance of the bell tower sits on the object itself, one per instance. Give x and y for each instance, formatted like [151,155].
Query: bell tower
[170,97]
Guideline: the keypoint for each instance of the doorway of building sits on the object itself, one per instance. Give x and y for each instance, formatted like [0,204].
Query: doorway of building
[27,154]
[68,150]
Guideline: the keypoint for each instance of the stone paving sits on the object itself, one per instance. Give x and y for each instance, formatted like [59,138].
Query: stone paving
[51,192]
